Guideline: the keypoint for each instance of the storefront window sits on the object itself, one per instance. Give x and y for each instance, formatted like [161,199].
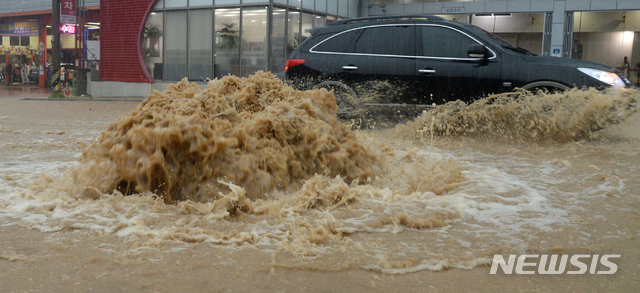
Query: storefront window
[175,37]
[152,38]
[332,6]
[202,44]
[278,54]
[227,2]
[295,3]
[254,40]
[321,6]
[175,3]
[343,8]
[200,40]
[193,3]
[308,4]
[227,42]
[307,25]
[293,26]
[319,21]
[254,1]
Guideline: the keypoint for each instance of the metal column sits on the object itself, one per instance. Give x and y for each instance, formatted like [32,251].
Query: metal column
[568,35]
[546,34]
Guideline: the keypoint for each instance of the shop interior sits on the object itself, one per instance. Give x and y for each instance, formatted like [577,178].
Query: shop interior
[615,32]
[19,54]
[22,53]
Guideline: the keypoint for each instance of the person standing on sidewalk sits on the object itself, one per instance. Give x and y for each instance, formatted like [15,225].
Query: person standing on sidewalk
[9,75]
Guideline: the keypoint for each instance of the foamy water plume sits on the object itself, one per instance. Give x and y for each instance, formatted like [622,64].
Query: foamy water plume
[253,132]
[524,115]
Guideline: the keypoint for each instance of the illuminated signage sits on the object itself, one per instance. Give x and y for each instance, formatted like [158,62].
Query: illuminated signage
[68,29]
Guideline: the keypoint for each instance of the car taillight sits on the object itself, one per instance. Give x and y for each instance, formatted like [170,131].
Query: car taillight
[292,63]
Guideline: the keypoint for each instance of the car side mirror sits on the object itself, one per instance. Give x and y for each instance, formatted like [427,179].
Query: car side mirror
[478,51]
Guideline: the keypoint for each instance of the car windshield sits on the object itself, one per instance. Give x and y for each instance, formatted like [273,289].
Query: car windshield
[501,41]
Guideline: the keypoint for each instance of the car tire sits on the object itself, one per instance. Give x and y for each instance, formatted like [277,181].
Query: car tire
[546,86]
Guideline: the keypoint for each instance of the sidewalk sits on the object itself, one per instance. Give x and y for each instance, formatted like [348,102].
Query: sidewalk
[31,92]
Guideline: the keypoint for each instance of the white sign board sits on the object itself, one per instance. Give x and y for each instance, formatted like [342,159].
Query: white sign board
[93,50]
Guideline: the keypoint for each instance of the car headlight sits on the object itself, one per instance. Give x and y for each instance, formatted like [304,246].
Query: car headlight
[607,77]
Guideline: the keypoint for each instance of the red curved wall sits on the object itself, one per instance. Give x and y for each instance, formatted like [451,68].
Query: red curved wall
[121,24]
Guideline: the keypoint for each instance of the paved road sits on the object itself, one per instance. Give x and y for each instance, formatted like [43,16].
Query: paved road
[24,91]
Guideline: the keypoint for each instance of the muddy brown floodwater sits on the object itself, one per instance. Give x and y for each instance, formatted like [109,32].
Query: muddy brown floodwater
[247,185]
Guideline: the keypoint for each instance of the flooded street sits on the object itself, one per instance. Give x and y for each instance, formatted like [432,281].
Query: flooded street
[231,199]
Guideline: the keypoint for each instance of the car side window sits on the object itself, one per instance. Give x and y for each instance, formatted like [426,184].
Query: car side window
[387,40]
[438,41]
[337,43]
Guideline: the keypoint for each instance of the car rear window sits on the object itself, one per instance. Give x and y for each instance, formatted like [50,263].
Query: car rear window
[337,43]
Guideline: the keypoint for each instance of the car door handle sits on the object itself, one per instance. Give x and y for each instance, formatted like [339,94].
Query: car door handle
[350,67]
[427,71]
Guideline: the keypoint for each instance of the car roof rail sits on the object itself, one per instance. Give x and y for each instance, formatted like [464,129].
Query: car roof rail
[386,18]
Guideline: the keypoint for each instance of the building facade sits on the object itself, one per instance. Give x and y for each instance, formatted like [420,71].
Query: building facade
[147,44]
[26,35]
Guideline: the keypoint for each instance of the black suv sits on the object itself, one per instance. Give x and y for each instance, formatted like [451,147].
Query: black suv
[425,60]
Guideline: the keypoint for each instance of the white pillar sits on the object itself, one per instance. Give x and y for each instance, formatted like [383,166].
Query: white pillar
[557,29]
